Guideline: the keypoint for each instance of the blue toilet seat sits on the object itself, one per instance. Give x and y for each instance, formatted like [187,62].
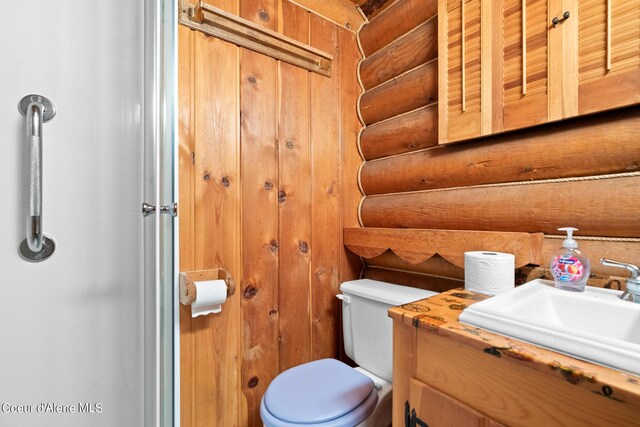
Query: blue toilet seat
[324,393]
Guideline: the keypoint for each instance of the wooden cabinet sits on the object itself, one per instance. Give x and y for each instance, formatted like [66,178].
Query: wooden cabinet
[464,69]
[443,379]
[608,34]
[504,65]
[524,89]
[436,409]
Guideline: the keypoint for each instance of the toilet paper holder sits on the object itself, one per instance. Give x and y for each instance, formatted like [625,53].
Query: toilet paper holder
[188,291]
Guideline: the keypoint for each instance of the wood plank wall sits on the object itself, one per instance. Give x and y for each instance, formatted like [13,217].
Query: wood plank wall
[411,182]
[268,177]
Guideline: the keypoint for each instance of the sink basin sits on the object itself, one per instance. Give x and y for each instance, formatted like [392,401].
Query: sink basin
[594,325]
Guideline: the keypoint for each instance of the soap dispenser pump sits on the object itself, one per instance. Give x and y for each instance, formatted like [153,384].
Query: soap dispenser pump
[569,266]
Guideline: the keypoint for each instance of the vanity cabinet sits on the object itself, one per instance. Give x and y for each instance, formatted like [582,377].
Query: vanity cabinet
[505,65]
[608,34]
[446,373]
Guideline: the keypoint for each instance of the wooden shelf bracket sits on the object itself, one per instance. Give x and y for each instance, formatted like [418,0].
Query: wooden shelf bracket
[244,33]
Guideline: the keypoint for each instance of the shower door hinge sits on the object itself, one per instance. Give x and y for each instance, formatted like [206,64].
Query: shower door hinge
[171,210]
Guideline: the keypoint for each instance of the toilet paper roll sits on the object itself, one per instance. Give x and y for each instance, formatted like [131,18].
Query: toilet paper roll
[489,273]
[210,295]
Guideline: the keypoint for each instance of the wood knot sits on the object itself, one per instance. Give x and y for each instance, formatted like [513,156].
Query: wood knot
[348,25]
[206,176]
[282,196]
[303,246]
[264,15]
[250,292]
[274,246]
[273,312]
[225,181]
[253,382]
[268,185]
[252,80]
[289,144]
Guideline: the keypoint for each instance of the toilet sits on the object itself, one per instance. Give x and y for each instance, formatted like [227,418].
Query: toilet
[329,393]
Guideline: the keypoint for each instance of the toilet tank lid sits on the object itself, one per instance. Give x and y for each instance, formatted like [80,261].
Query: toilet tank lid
[387,293]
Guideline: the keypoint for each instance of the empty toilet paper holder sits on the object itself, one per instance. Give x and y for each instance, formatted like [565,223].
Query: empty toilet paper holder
[188,291]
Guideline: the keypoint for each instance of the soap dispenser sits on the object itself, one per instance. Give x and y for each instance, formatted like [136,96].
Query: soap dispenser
[569,266]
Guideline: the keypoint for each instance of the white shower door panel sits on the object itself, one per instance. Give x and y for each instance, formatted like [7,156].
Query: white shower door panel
[71,327]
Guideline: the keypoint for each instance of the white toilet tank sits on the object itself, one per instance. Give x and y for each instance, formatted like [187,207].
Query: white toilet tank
[366,326]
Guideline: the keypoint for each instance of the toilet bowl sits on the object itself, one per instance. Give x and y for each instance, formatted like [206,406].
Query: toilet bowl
[329,393]
[324,393]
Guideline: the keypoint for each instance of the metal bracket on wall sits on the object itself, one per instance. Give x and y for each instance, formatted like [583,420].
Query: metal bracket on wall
[244,33]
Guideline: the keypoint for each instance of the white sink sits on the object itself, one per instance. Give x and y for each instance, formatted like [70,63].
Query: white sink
[594,325]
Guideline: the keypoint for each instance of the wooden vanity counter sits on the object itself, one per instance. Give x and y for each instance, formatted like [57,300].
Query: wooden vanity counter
[454,374]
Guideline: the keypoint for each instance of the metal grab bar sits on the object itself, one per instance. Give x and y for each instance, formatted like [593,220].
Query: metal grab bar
[38,110]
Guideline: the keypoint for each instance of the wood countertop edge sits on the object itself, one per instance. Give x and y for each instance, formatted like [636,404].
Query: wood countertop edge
[439,315]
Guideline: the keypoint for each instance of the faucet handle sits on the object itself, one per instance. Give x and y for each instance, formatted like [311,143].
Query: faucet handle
[634,269]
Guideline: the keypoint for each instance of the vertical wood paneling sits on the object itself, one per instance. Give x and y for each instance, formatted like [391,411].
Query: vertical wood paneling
[263,12]
[258,92]
[295,205]
[259,165]
[325,214]
[261,177]
[217,243]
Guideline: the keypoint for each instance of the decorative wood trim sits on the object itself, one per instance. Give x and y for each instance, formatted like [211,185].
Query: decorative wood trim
[417,245]
[241,32]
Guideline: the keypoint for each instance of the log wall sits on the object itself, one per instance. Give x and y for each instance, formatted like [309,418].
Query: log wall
[581,172]
[268,178]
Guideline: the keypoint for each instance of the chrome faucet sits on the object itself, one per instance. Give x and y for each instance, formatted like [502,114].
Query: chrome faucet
[633,283]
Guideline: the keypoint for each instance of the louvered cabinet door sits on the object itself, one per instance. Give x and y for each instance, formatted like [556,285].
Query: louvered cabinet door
[525,63]
[459,44]
[609,54]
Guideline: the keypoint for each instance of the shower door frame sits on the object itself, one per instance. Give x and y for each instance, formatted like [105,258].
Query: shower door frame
[161,329]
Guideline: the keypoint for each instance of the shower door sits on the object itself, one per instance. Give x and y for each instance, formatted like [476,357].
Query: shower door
[86,331]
